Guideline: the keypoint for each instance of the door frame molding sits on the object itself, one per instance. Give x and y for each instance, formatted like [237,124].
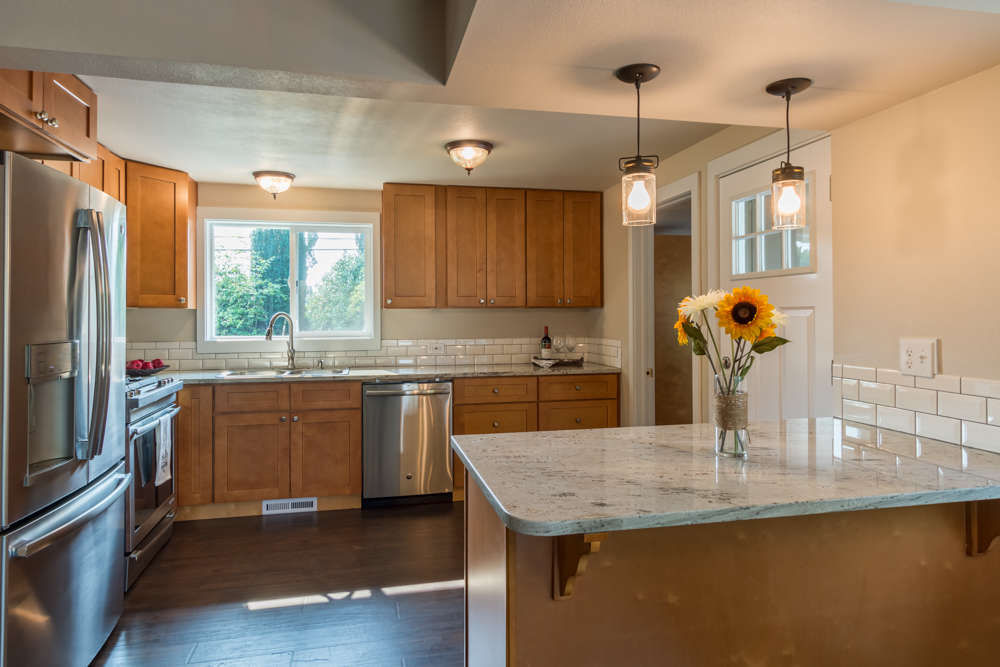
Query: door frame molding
[642,332]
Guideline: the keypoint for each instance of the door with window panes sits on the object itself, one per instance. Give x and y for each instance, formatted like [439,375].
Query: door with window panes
[794,268]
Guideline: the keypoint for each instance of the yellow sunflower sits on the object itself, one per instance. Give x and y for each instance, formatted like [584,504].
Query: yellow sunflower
[766,333]
[682,338]
[745,313]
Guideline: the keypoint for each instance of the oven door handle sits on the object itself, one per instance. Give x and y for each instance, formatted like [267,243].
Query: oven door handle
[143,430]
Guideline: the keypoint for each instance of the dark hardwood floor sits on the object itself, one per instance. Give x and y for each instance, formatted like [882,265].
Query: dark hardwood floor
[190,606]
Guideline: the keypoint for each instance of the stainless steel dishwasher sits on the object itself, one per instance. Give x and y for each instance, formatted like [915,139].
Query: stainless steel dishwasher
[406,442]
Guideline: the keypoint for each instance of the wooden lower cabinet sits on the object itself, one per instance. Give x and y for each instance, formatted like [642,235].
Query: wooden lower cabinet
[495,390]
[252,456]
[253,397]
[326,453]
[577,387]
[491,418]
[194,445]
[572,415]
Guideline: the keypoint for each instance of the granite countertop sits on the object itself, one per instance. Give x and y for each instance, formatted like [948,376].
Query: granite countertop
[396,374]
[569,482]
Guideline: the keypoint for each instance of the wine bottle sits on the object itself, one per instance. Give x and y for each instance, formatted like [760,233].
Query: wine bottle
[546,345]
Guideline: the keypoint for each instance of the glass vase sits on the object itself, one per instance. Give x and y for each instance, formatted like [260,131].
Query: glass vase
[730,407]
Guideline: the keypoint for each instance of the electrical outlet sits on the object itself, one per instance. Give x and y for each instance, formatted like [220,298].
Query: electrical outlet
[435,349]
[918,356]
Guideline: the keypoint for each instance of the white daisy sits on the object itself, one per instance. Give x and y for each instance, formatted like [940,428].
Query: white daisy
[692,305]
[779,319]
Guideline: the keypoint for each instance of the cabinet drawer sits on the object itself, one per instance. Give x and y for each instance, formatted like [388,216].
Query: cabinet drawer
[496,390]
[481,419]
[251,397]
[576,387]
[325,395]
[572,415]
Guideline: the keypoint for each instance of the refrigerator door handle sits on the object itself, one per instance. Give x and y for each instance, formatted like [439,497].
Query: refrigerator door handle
[81,296]
[91,505]
[94,222]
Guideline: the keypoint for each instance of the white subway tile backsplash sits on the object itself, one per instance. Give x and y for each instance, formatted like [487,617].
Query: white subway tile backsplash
[213,364]
[919,400]
[522,341]
[895,419]
[494,349]
[837,398]
[259,363]
[484,359]
[878,393]
[179,353]
[188,345]
[234,364]
[939,428]
[520,359]
[465,341]
[454,350]
[503,341]
[465,359]
[484,341]
[512,349]
[959,406]
[501,359]
[364,361]
[993,411]
[445,360]
[837,370]
[344,361]
[889,376]
[860,373]
[859,412]
[385,361]
[136,345]
[952,383]
[416,350]
[189,365]
[981,436]
[425,361]
[395,351]
[390,343]
[980,387]
[406,361]
[405,342]
[167,345]
[475,349]
[850,389]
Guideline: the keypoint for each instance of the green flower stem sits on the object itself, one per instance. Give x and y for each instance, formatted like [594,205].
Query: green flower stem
[717,353]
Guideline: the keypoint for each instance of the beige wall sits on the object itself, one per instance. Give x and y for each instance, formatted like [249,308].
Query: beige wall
[613,320]
[159,324]
[917,229]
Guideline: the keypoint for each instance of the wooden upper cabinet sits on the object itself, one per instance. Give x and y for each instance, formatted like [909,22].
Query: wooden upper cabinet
[161,237]
[544,251]
[409,246]
[251,456]
[21,94]
[505,249]
[582,249]
[466,229]
[326,453]
[72,110]
[114,174]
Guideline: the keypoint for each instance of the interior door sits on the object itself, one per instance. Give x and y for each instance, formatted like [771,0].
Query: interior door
[794,268]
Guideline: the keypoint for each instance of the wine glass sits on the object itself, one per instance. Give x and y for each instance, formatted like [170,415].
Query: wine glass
[570,345]
[558,344]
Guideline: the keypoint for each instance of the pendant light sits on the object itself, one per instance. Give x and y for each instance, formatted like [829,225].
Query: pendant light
[469,153]
[788,182]
[638,179]
[274,181]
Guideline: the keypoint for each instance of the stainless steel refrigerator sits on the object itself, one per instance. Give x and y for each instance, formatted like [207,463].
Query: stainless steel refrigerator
[62,416]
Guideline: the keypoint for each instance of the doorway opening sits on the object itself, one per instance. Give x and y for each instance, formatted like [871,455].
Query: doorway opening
[671,283]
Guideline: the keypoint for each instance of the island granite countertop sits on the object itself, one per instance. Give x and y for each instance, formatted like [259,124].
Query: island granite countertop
[400,374]
[571,482]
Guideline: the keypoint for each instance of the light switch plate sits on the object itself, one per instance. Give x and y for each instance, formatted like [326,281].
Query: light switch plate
[918,357]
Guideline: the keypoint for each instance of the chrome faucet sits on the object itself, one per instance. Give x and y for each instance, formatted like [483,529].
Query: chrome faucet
[291,335]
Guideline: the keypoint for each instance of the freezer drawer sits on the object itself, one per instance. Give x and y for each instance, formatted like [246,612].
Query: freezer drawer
[406,439]
[63,578]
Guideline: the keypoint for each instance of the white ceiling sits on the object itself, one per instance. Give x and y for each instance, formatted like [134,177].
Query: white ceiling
[366,65]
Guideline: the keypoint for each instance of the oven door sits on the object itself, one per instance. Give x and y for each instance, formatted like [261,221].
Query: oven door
[148,502]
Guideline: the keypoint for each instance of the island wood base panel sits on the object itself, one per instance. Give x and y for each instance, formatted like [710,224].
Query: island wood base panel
[875,587]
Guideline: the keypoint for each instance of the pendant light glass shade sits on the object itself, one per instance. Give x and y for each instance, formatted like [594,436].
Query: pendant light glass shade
[274,181]
[468,154]
[788,198]
[638,193]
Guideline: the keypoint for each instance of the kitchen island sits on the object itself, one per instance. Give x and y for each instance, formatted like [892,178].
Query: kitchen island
[834,544]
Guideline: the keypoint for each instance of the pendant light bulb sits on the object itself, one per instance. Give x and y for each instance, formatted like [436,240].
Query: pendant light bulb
[788,182]
[789,203]
[638,200]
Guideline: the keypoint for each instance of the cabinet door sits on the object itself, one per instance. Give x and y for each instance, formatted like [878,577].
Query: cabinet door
[251,456]
[582,249]
[252,397]
[114,174]
[160,237]
[573,415]
[21,94]
[72,108]
[544,253]
[505,250]
[326,453]
[577,387]
[92,173]
[408,246]
[481,419]
[194,445]
[466,247]
[495,390]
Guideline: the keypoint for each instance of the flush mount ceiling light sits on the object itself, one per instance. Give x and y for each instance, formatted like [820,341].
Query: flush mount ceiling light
[638,179]
[468,153]
[274,181]
[788,182]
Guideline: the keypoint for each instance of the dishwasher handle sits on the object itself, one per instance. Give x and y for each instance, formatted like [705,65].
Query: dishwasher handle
[416,392]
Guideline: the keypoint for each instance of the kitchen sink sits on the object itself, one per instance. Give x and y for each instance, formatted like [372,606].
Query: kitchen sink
[298,372]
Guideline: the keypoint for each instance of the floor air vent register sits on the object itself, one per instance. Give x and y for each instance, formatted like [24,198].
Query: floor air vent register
[288,506]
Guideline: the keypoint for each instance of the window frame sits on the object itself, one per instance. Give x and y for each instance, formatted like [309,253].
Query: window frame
[296,221]
[785,234]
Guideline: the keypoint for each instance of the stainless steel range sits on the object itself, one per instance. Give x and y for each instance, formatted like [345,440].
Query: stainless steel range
[150,505]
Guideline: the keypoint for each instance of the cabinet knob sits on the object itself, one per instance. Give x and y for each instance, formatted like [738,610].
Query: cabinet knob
[493,300]
[569,300]
[295,419]
[558,300]
[41,115]
[388,300]
[496,424]
[496,390]
[52,122]
[578,420]
[284,419]
[181,299]
[482,301]
[578,387]
[409,477]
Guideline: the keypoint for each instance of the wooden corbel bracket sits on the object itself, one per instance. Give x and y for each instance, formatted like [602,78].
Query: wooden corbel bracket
[982,526]
[570,554]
